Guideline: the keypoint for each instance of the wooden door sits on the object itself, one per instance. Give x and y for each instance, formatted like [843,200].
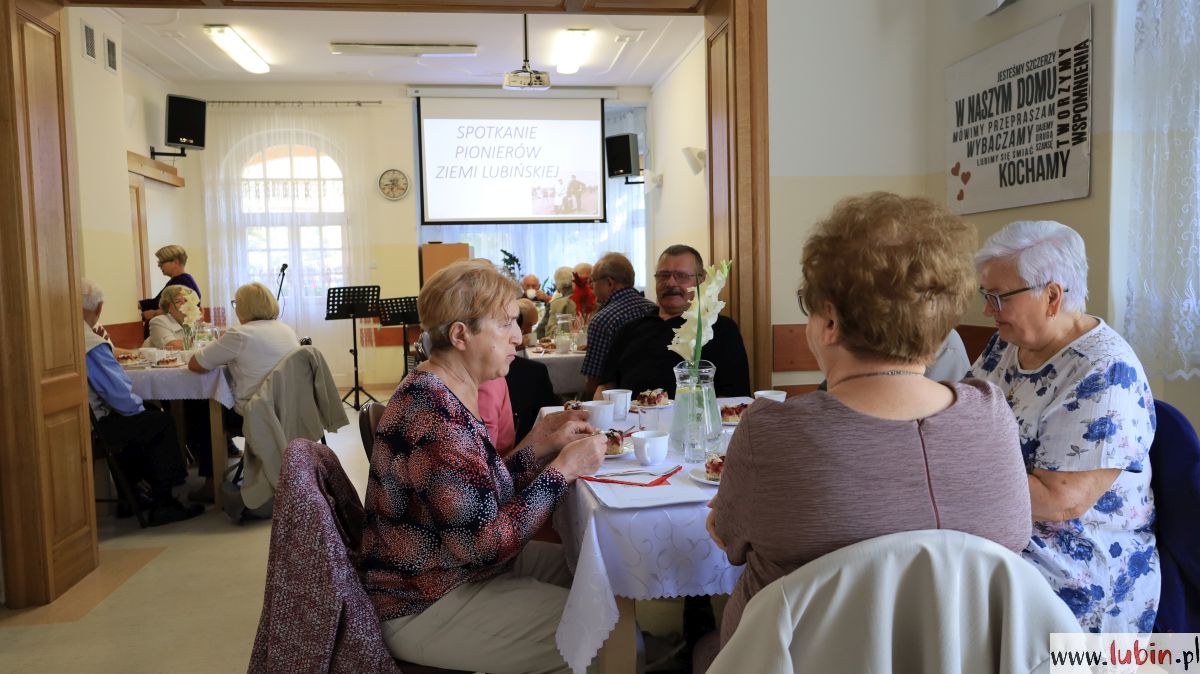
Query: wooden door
[739,219]
[47,509]
[137,221]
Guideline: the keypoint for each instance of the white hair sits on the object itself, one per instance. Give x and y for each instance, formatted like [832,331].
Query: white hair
[1045,251]
[91,293]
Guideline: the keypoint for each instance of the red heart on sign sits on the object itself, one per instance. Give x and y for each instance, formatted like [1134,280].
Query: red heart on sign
[954,171]
[960,195]
[966,177]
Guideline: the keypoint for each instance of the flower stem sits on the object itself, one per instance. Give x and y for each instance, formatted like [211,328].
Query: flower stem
[699,332]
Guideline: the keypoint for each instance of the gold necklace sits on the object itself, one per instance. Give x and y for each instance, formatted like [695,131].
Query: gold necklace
[883,373]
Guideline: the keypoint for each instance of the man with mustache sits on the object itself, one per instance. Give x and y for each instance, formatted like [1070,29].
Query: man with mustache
[639,358]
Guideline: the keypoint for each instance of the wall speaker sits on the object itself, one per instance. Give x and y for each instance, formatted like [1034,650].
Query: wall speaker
[185,122]
[622,154]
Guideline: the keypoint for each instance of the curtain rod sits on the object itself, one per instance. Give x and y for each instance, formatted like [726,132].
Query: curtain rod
[297,103]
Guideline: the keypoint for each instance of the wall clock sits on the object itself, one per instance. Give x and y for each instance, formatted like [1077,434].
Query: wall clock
[393,184]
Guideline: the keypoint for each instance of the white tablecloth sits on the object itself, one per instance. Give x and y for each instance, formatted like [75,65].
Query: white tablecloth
[642,553]
[564,370]
[180,383]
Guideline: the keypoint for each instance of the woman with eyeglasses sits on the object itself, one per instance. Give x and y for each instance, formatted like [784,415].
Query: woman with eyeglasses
[885,449]
[1086,418]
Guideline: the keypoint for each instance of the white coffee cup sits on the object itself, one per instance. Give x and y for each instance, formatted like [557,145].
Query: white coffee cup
[600,413]
[650,447]
[771,395]
[620,398]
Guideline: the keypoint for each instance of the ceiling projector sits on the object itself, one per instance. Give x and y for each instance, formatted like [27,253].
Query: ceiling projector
[525,79]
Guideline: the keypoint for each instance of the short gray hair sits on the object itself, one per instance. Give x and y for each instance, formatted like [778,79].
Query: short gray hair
[1045,251]
[91,293]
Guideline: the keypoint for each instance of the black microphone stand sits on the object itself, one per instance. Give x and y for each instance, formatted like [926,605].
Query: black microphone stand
[282,274]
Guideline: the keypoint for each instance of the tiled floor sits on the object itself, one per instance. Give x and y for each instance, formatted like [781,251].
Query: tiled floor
[181,598]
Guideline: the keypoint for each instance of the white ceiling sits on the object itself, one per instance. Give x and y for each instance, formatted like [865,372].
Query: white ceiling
[627,50]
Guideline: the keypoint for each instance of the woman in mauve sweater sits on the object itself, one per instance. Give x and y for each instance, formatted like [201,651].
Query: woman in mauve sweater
[884,449]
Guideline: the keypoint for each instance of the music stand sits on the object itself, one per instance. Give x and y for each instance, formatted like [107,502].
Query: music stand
[353,302]
[400,311]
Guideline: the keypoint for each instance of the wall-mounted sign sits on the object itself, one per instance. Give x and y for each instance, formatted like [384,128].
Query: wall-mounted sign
[1020,116]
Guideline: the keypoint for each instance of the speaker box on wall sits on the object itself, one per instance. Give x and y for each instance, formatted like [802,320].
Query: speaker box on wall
[185,122]
[622,153]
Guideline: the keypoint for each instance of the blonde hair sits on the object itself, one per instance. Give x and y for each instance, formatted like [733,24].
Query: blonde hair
[898,272]
[171,252]
[167,299]
[255,302]
[464,292]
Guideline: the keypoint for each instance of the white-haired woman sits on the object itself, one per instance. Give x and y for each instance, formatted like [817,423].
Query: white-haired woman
[166,329]
[1086,420]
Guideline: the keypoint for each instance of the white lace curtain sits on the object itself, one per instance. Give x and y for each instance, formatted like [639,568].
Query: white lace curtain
[283,185]
[542,247]
[1163,308]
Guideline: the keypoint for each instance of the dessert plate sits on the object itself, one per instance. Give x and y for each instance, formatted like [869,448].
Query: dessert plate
[699,475]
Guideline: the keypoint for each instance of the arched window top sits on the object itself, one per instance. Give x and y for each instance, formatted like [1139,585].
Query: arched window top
[292,179]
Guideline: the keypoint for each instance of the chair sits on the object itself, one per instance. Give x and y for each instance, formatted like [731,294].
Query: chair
[101,449]
[316,616]
[368,420]
[917,601]
[1175,481]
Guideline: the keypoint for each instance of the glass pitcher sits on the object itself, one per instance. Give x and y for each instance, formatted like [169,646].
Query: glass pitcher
[696,420]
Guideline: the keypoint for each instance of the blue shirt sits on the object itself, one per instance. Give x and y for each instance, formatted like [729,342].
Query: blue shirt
[623,306]
[1089,408]
[108,381]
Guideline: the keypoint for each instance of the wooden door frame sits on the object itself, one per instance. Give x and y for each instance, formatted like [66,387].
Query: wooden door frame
[141,246]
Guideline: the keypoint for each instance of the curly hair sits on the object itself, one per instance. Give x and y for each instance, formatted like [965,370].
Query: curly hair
[466,291]
[898,272]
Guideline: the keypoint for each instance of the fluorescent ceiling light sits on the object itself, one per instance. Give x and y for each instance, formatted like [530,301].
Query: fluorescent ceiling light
[238,49]
[395,49]
[572,48]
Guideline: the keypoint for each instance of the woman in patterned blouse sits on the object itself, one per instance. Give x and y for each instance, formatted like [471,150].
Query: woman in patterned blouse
[446,552]
[1086,420]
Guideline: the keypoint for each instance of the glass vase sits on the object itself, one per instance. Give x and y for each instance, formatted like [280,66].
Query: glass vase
[696,420]
[189,338]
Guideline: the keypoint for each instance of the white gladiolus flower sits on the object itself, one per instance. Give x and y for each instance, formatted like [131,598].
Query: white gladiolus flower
[189,305]
[703,311]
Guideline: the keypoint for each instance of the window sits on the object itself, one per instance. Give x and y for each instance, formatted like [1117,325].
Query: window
[292,200]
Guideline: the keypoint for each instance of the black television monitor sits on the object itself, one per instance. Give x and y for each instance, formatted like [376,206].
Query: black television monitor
[185,122]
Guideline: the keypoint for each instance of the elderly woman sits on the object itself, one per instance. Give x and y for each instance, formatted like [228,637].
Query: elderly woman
[562,303]
[171,261]
[166,329]
[446,552]
[1086,418]
[884,449]
[250,350]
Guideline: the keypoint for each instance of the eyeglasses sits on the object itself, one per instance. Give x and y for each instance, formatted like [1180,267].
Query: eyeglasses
[679,276]
[996,300]
[233,302]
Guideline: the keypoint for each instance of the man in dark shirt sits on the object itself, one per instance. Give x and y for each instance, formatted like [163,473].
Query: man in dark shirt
[639,358]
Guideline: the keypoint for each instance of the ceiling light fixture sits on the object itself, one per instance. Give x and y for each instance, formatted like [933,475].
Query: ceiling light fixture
[572,49]
[237,48]
[396,49]
[525,78]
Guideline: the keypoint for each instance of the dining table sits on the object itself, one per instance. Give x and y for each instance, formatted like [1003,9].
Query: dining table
[179,383]
[628,543]
[565,369]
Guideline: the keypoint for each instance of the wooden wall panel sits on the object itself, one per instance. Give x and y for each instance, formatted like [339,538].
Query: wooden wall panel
[791,352]
[492,6]
[975,338]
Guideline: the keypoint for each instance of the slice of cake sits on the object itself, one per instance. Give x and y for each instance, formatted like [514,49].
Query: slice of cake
[168,361]
[572,405]
[714,466]
[731,414]
[613,442]
[652,398]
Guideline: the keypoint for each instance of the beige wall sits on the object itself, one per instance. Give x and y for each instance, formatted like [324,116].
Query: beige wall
[678,211]
[101,172]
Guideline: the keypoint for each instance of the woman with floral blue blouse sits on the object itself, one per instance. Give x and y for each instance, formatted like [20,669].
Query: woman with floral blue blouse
[1086,421]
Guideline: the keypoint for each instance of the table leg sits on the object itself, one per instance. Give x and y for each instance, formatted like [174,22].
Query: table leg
[216,429]
[618,655]
[176,408]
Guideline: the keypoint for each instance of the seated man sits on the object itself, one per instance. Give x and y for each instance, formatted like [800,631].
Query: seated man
[620,302]
[531,286]
[529,387]
[639,358]
[149,449]
[560,304]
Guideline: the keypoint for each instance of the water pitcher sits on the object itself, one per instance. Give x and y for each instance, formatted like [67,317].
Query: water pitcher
[696,422]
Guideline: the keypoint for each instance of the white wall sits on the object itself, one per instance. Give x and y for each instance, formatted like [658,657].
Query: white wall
[101,169]
[678,211]
[846,99]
